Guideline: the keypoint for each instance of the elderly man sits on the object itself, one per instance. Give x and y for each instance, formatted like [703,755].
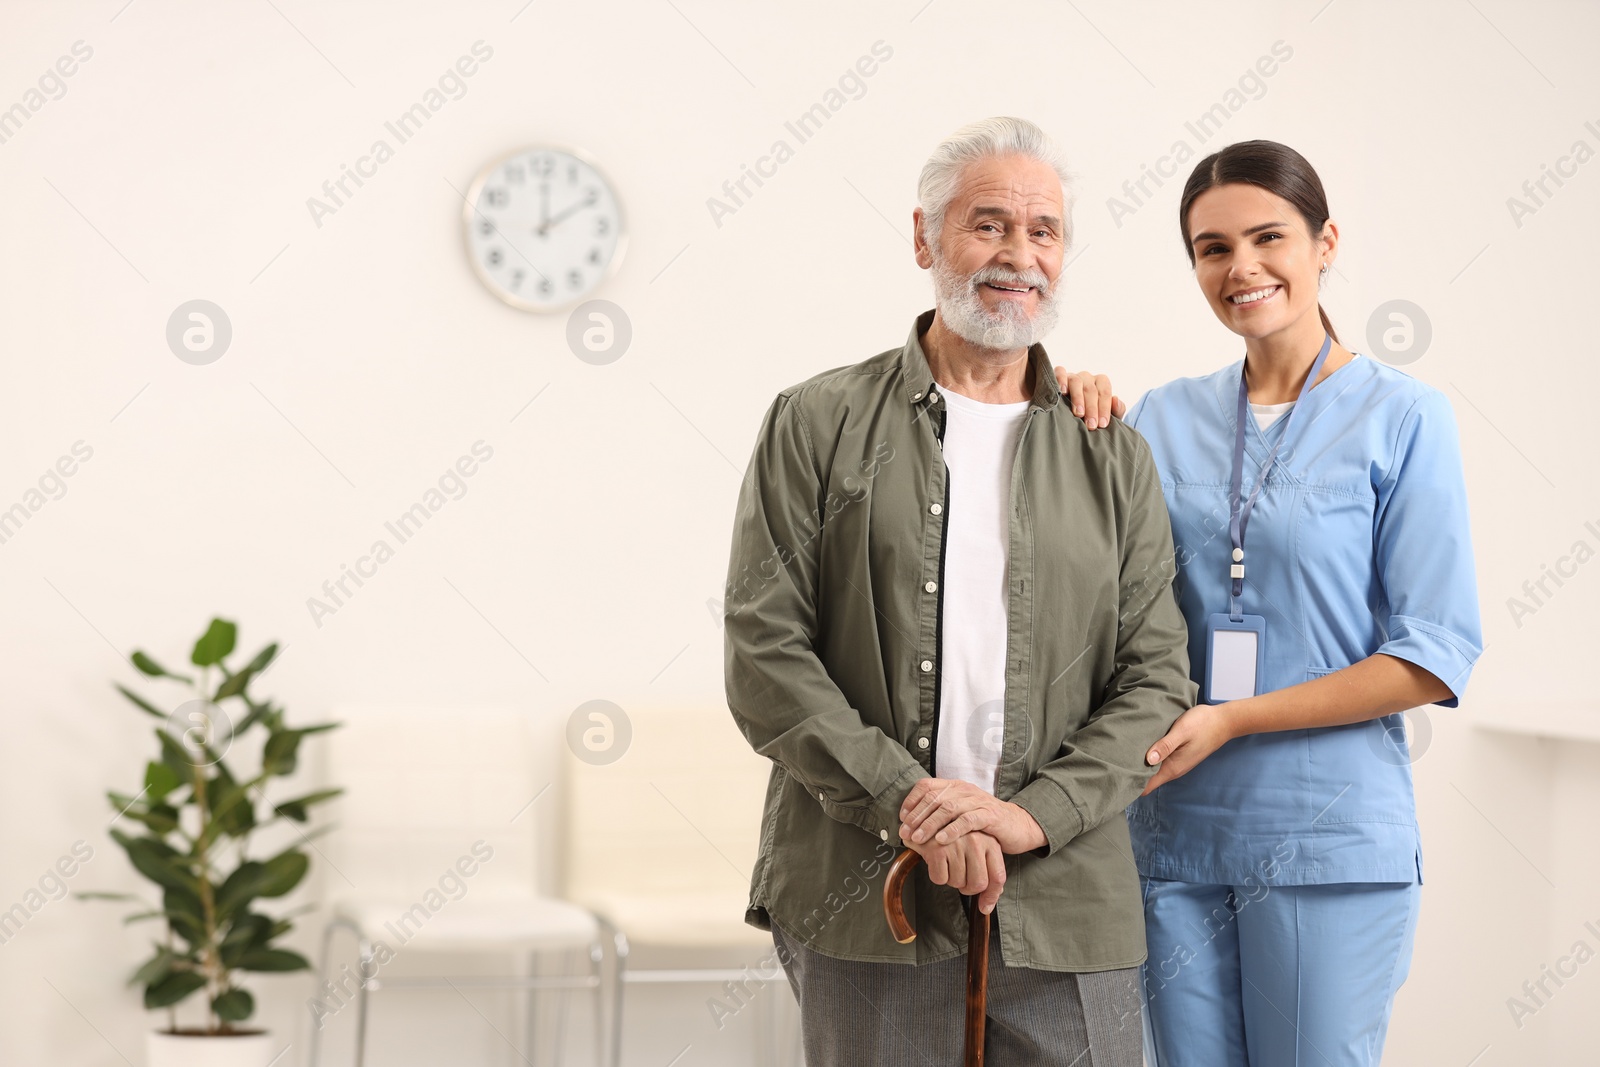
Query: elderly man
[943,585]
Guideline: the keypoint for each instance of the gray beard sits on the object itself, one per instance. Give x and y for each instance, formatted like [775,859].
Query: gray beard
[1004,329]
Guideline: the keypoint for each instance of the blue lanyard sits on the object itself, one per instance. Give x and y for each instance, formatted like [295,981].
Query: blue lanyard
[1239,517]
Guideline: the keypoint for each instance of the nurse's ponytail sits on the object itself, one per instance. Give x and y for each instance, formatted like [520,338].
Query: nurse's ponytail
[1278,169]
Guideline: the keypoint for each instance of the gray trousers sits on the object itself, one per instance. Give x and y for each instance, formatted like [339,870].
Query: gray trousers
[855,1014]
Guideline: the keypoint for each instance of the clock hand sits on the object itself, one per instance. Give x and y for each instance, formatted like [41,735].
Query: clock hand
[548,223]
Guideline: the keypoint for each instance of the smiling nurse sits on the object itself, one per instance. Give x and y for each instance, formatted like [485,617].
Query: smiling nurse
[1325,571]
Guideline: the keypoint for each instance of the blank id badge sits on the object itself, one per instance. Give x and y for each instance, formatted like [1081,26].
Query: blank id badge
[1234,655]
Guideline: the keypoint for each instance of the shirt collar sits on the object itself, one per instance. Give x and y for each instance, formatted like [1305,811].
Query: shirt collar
[917,378]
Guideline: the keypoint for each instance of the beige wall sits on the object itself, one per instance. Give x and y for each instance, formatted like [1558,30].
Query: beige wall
[178,163]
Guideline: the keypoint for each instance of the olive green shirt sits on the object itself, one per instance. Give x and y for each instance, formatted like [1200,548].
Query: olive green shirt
[832,649]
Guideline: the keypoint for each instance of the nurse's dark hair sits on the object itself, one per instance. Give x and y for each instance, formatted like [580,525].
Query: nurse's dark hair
[1275,167]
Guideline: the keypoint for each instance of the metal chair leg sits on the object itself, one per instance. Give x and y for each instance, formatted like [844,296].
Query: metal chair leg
[597,960]
[619,963]
[563,1001]
[315,1051]
[363,972]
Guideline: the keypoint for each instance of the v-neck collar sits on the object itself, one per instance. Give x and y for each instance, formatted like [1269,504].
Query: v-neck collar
[1306,411]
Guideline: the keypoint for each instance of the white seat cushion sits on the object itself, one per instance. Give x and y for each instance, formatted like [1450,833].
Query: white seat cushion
[708,920]
[474,923]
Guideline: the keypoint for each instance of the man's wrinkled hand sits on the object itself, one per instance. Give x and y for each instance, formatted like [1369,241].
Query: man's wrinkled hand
[943,810]
[972,864]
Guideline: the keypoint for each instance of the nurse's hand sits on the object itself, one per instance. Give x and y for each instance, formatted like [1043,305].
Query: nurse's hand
[1090,397]
[943,810]
[1198,732]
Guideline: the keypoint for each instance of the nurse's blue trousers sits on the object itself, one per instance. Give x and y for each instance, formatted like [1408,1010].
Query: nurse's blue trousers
[1273,976]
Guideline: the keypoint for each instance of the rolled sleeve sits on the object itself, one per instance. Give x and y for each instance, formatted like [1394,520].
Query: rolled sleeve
[1424,554]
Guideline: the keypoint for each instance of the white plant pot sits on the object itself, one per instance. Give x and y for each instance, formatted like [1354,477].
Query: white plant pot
[193,1050]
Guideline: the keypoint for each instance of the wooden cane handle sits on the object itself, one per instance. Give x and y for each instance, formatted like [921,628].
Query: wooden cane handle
[894,896]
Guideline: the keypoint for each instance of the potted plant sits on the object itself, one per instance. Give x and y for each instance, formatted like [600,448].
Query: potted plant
[195,817]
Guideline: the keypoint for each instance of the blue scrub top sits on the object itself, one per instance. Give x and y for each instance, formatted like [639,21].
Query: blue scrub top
[1359,543]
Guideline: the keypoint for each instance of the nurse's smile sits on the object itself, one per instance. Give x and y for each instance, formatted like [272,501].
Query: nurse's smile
[1251,298]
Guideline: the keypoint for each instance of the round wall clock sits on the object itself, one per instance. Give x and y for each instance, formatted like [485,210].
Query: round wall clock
[544,228]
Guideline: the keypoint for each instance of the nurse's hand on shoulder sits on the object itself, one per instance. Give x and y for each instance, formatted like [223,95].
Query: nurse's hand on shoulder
[1198,732]
[1090,397]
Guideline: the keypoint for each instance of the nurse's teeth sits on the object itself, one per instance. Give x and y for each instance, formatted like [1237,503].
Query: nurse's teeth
[1250,298]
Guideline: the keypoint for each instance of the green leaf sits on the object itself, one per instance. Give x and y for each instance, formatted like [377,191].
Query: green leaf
[250,931]
[156,860]
[151,667]
[160,779]
[174,755]
[274,959]
[281,751]
[236,683]
[234,1005]
[162,819]
[283,872]
[232,813]
[296,808]
[186,914]
[95,894]
[239,888]
[279,755]
[173,988]
[141,916]
[155,968]
[215,644]
[141,701]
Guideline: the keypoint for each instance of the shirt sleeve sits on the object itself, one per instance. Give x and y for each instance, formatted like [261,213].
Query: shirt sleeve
[1101,769]
[1423,543]
[779,691]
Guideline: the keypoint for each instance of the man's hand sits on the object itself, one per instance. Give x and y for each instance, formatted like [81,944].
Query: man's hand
[1090,397]
[971,864]
[1198,732]
[943,810]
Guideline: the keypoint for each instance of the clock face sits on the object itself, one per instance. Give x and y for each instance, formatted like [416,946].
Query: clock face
[544,228]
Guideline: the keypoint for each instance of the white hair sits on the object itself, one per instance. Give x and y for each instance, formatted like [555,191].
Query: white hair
[986,139]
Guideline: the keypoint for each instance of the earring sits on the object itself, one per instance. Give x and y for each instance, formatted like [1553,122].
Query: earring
[1324,268]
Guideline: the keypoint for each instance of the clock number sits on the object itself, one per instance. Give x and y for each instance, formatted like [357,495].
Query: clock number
[594,255]
[515,173]
[545,287]
[496,197]
[543,165]
[485,227]
[516,278]
[602,226]
[494,257]
[575,279]
[572,174]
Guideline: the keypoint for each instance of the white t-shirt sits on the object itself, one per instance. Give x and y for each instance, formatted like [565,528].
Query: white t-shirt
[1267,414]
[980,443]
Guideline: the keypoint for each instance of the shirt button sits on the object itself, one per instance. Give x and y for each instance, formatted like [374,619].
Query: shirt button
[883,835]
[931,586]
[935,509]
[922,742]
[819,795]
[927,665]
[916,396]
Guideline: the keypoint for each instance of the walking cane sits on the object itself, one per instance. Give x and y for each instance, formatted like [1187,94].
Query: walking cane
[894,909]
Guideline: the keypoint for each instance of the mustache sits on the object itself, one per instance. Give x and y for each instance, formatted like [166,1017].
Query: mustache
[1015,279]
